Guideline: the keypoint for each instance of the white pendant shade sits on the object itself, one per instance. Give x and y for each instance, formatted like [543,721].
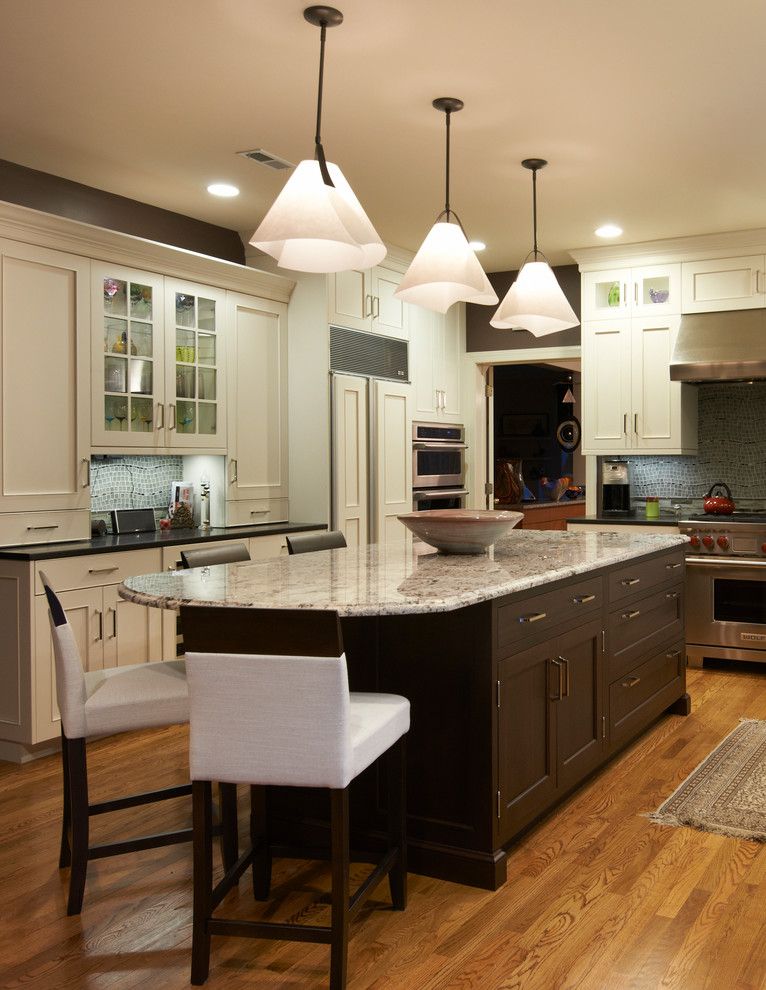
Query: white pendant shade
[535,302]
[445,271]
[312,227]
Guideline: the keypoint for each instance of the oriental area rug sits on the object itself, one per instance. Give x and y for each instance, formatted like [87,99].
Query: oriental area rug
[726,794]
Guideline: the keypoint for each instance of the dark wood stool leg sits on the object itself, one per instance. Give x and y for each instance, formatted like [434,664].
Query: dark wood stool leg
[77,770]
[202,811]
[229,827]
[65,853]
[397,821]
[260,842]
[340,899]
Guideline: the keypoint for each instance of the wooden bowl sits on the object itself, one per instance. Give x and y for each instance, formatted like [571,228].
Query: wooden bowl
[460,530]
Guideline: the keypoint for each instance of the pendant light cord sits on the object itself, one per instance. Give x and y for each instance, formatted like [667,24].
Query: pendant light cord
[318,149]
[448,114]
[534,210]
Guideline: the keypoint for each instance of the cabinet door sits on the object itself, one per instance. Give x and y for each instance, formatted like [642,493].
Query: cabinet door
[393,459]
[526,760]
[195,366]
[578,715]
[423,363]
[606,295]
[44,358]
[132,633]
[606,384]
[350,299]
[451,352]
[723,284]
[127,358]
[656,290]
[389,314]
[349,457]
[257,396]
[656,401]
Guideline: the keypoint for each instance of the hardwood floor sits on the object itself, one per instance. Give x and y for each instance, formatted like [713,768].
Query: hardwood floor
[597,897]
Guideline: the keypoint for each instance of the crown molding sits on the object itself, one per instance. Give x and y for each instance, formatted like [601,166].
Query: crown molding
[20,223]
[695,248]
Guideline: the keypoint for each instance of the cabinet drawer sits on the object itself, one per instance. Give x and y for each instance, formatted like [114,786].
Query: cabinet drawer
[642,625]
[25,528]
[254,511]
[96,569]
[645,575]
[633,693]
[534,616]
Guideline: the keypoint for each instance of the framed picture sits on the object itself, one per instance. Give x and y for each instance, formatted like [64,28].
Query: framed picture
[524,424]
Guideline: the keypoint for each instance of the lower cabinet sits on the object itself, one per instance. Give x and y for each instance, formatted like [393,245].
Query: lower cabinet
[551,722]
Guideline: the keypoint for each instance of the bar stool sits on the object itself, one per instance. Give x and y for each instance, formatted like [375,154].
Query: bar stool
[331,539]
[207,556]
[284,716]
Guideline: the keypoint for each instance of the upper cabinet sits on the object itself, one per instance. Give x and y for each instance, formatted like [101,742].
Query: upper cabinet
[364,300]
[437,343]
[724,284]
[647,291]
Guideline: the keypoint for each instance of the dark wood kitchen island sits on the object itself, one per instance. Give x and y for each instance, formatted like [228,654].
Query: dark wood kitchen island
[526,668]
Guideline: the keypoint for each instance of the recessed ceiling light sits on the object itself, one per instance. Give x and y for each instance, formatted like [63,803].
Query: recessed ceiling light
[608,230]
[222,189]
[477,245]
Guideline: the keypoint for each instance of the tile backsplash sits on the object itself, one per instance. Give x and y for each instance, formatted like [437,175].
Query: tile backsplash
[732,449]
[138,482]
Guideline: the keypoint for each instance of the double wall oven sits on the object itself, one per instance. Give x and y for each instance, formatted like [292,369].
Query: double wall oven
[438,466]
[726,588]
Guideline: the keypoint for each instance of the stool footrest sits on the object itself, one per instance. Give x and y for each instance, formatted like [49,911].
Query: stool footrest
[134,800]
[142,842]
[364,890]
[269,929]
[230,878]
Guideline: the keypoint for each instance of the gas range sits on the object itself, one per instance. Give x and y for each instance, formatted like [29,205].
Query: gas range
[740,535]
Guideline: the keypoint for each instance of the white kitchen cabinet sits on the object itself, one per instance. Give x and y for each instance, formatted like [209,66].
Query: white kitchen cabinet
[393,458]
[350,458]
[629,401]
[436,347]
[257,478]
[365,300]
[44,360]
[650,290]
[723,284]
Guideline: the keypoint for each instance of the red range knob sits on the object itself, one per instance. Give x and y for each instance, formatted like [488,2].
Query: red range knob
[708,542]
[695,542]
[723,542]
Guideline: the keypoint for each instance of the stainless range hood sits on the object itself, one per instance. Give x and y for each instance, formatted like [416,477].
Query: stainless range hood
[720,347]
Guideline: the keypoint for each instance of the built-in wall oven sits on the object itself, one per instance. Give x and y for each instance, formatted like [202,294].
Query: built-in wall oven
[438,466]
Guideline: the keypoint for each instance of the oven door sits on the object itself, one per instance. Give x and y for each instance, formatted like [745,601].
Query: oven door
[448,498]
[438,465]
[726,605]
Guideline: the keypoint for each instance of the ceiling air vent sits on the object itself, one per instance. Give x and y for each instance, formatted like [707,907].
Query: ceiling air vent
[264,157]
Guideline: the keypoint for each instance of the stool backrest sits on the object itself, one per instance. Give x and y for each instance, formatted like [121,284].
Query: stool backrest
[268,697]
[70,678]
[207,556]
[331,539]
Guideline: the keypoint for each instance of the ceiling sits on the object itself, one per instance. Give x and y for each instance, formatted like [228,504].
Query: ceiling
[649,113]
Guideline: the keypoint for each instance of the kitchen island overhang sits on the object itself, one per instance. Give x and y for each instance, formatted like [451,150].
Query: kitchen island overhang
[526,669]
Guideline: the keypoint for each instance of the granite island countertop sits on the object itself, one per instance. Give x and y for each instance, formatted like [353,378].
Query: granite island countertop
[396,578]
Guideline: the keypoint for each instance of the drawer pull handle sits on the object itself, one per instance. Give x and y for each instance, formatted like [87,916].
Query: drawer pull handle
[100,615]
[534,617]
[631,615]
[673,655]
[671,595]
[631,682]
[259,512]
[565,662]
[583,599]
[672,567]
[114,622]
[41,527]
[629,582]
[557,663]
[102,570]
[86,462]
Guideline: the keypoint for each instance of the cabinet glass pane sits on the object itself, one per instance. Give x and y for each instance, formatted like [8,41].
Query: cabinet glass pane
[121,412]
[115,335]
[655,290]
[206,384]
[186,418]
[115,296]
[207,418]
[184,382]
[141,301]
[185,346]
[184,310]
[140,376]
[206,346]
[115,374]
[206,317]
[608,294]
[141,339]
[141,415]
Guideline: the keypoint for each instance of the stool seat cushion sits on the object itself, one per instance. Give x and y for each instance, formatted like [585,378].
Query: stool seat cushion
[139,696]
[377,721]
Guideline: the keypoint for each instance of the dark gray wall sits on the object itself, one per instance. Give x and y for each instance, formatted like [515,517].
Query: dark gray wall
[52,194]
[480,336]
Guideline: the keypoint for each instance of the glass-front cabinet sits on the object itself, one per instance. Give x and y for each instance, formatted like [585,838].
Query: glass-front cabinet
[652,290]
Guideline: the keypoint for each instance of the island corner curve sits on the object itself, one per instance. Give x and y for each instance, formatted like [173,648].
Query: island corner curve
[526,670]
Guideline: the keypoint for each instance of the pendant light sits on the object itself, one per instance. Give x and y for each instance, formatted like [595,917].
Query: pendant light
[535,301]
[317,224]
[446,270]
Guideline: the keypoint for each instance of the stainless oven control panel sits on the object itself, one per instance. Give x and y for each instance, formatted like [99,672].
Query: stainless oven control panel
[738,540]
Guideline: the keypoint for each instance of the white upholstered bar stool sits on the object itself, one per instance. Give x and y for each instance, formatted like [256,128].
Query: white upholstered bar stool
[101,703]
[270,706]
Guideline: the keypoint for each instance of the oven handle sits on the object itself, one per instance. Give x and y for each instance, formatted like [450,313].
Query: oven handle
[750,563]
[438,493]
[446,445]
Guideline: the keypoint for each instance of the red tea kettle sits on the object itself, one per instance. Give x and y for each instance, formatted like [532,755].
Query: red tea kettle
[718,501]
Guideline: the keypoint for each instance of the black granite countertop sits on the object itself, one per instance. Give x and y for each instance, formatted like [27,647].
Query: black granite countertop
[147,541]
[638,519]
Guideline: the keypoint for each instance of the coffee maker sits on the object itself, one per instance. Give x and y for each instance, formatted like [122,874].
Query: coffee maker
[615,488]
